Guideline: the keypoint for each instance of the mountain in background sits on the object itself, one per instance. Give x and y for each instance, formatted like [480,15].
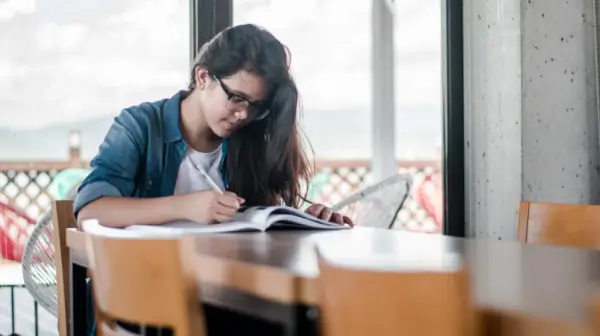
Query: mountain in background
[51,143]
[333,135]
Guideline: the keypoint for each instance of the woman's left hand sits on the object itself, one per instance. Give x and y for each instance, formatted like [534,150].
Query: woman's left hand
[324,213]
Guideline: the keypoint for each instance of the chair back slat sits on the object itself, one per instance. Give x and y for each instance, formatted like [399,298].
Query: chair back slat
[559,224]
[62,219]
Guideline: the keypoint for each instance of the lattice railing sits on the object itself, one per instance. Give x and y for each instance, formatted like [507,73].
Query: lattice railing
[26,186]
[27,189]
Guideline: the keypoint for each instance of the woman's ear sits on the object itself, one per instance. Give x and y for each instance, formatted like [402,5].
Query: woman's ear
[201,77]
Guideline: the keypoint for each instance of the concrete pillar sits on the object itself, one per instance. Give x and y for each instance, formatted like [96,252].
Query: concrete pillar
[531,111]
[383,163]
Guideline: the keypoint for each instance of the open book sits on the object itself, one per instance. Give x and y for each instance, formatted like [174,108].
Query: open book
[248,219]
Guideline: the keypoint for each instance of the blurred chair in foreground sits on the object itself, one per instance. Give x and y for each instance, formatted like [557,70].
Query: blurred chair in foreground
[395,299]
[147,282]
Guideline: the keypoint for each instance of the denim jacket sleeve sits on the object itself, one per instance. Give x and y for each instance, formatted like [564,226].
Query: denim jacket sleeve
[113,170]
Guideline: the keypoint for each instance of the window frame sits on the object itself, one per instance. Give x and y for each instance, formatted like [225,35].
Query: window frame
[453,157]
[207,18]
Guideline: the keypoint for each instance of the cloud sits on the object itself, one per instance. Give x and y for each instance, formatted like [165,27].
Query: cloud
[86,68]
[10,8]
[52,36]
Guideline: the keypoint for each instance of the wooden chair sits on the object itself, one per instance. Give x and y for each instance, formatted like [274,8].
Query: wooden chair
[63,219]
[410,302]
[594,313]
[147,282]
[559,224]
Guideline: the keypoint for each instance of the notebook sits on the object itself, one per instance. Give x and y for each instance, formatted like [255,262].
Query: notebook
[248,219]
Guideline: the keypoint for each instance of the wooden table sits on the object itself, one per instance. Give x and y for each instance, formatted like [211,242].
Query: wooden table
[519,289]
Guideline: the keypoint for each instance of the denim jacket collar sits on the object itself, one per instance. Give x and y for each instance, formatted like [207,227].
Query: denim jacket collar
[171,117]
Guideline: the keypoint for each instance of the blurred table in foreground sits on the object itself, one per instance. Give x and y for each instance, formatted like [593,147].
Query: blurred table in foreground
[519,289]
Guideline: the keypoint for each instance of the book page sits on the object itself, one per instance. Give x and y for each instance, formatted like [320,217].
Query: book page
[247,219]
[258,215]
[257,218]
[94,227]
[301,222]
[292,217]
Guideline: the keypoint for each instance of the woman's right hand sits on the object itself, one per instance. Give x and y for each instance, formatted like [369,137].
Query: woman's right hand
[209,206]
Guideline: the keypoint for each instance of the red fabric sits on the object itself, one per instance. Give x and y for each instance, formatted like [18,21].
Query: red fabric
[428,193]
[14,231]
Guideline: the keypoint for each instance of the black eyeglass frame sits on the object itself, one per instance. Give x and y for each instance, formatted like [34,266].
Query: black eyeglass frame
[253,108]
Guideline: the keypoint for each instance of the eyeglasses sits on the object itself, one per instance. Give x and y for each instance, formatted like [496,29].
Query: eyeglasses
[235,103]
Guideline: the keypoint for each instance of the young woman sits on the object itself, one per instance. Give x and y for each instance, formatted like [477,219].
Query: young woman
[237,122]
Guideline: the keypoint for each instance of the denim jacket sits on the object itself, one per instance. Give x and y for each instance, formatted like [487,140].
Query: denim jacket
[140,155]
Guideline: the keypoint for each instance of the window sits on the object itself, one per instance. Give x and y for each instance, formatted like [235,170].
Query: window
[329,42]
[69,68]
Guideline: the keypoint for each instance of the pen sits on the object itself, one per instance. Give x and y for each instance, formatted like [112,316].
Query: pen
[208,179]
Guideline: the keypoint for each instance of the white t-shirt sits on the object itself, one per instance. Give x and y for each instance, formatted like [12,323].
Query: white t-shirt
[189,179]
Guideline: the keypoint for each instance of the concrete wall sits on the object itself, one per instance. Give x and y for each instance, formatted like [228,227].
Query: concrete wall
[531,109]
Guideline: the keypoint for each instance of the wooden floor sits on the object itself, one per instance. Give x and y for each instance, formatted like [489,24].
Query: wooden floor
[10,274]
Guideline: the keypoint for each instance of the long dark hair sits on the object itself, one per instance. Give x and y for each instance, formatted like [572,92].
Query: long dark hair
[266,163]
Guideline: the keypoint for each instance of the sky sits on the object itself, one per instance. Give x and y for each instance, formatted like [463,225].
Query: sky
[64,62]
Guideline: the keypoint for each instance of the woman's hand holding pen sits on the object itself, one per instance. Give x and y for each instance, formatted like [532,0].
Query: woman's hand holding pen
[223,207]
[216,205]
[211,206]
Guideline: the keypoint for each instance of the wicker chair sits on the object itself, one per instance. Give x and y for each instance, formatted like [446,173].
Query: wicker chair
[39,267]
[377,205]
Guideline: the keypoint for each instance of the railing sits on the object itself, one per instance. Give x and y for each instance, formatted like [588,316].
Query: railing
[9,323]
[25,185]
[19,313]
